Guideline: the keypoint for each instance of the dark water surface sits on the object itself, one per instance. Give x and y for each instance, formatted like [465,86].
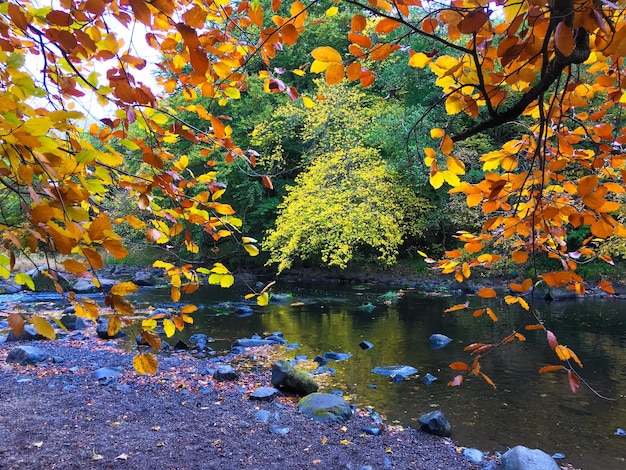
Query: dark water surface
[535,410]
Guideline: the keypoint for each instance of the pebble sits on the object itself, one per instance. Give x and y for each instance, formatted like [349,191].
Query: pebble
[281,431]
[372,430]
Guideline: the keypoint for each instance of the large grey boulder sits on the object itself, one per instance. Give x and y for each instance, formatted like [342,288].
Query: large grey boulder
[523,458]
[26,355]
[288,378]
[325,407]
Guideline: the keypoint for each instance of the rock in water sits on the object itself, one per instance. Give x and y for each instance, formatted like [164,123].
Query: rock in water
[72,322]
[438,341]
[337,356]
[435,423]
[365,345]
[395,371]
[325,407]
[287,377]
[26,355]
[523,458]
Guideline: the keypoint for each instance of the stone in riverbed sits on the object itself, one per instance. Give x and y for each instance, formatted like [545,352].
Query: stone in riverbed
[475,455]
[105,374]
[265,394]
[395,371]
[365,345]
[72,322]
[435,423]
[428,378]
[372,430]
[337,356]
[26,355]
[252,342]
[438,341]
[325,407]
[523,458]
[225,374]
[287,377]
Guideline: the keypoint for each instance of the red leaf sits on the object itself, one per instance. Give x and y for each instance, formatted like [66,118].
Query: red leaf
[456,382]
[551,339]
[574,383]
[459,366]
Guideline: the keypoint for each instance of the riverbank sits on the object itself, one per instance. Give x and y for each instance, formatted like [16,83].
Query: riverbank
[59,415]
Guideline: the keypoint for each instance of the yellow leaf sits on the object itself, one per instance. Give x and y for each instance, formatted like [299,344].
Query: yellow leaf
[263,299]
[419,60]
[149,324]
[169,327]
[437,133]
[124,288]
[175,294]
[332,11]
[454,104]
[44,328]
[190,308]
[345,442]
[251,249]
[326,54]
[436,180]
[299,72]
[114,326]
[232,93]
[146,363]
[227,280]
[24,279]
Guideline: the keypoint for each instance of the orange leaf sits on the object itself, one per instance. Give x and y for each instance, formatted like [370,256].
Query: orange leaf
[386,25]
[429,25]
[456,382]
[545,369]
[255,12]
[267,182]
[454,308]
[358,23]
[606,286]
[353,71]
[488,380]
[492,315]
[380,52]
[587,184]
[574,383]
[486,293]
[564,39]
[519,256]
[334,73]
[16,323]
[473,22]
[459,366]
[478,313]
[562,352]
[536,326]
[289,34]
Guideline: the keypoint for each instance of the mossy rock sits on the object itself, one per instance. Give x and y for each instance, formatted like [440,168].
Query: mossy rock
[288,378]
[325,407]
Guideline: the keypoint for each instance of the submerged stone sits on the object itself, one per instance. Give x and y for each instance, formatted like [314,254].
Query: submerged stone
[325,407]
[337,356]
[365,345]
[438,341]
[428,378]
[395,371]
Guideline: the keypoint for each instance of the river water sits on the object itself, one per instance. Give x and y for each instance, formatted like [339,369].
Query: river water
[527,408]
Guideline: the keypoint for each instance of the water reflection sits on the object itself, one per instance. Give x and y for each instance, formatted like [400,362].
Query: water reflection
[527,408]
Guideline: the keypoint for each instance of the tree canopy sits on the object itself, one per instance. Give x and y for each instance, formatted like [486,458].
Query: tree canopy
[551,72]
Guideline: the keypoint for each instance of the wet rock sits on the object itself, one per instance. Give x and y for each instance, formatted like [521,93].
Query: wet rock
[29,334]
[428,378]
[286,377]
[181,345]
[438,341]
[337,356]
[276,339]
[26,355]
[620,432]
[265,394]
[85,285]
[474,455]
[72,322]
[252,342]
[69,310]
[368,307]
[395,371]
[243,311]
[365,345]
[372,430]
[325,407]
[523,458]
[105,374]
[144,279]
[225,374]
[435,423]
[102,330]
[322,361]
